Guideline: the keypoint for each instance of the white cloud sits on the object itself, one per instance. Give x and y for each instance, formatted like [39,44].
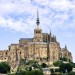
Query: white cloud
[53,14]
[61,4]
[12,24]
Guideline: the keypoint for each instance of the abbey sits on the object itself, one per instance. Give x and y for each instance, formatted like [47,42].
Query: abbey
[43,47]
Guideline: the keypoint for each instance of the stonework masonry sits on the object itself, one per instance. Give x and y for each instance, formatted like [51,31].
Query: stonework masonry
[42,47]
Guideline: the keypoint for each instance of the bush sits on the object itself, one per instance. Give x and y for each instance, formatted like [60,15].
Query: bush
[33,72]
[44,65]
[65,67]
[71,73]
[52,71]
[4,67]
[56,70]
[31,62]
[73,64]
[57,63]
[65,59]
[62,68]
[68,67]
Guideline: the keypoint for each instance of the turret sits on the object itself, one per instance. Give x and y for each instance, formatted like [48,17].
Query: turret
[55,39]
[65,47]
[50,37]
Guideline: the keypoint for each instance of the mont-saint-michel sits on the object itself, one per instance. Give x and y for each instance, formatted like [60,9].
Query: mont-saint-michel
[42,47]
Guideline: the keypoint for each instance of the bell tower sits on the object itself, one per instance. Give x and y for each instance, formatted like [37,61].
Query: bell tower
[37,30]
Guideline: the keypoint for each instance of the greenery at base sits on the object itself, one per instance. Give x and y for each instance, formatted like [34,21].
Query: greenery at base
[73,64]
[68,67]
[30,67]
[27,65]
[33,72]
[71,73]
[64,59]
[57,63]
[52,71]
[65,68]
[33,68]
[43,65]
[55,72]
[4,67]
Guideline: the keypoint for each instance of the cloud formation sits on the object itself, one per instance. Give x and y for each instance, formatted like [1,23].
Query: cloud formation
[20,15]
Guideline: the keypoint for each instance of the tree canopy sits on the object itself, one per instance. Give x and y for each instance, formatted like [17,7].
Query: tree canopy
[65,67]
[4,67]
[57,63]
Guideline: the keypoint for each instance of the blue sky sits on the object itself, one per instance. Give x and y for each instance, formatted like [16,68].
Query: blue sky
[18,20]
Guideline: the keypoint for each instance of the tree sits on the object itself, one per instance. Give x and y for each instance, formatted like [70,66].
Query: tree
[62,68]
[52,71]
[61,58]
[65,67]
[38,72]
[30,68]
[57,63]
[72,73]
[64,59]
[73,64]
[4,67]
[33,72]
[43,65]
[68,67]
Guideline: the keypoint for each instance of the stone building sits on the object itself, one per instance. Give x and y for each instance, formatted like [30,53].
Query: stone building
[3,55]
[66,53]
[42,47]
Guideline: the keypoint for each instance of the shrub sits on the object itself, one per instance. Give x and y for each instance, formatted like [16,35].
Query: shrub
[4,67]
[44,65]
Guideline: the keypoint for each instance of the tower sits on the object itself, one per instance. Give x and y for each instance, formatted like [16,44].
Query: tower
[37,30]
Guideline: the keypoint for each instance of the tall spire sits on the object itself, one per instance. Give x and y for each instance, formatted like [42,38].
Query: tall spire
[37,21]
[55,38]
[65,47]
[50,32]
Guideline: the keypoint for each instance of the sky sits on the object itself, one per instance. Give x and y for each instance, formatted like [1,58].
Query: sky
[18,20]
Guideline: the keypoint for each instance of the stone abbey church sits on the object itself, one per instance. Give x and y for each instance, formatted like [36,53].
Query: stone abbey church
[42,47]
